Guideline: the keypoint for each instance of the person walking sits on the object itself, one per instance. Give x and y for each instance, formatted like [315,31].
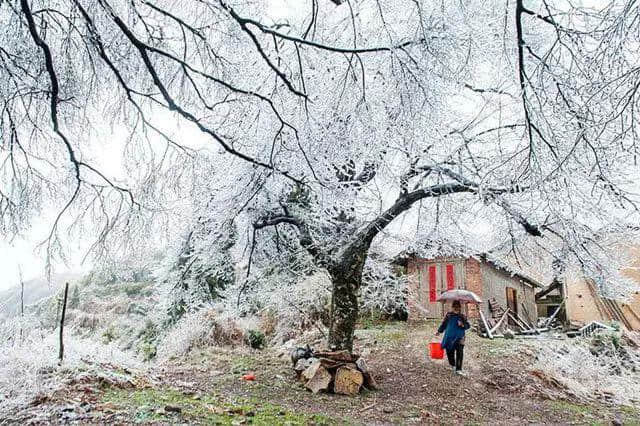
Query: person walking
[454,325]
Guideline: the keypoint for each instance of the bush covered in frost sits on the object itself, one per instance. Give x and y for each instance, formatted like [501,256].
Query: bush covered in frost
[604,364]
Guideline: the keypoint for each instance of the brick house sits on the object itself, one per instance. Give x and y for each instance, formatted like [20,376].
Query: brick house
[488,279]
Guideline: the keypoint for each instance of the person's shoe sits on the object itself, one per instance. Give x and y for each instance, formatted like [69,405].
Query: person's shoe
[453,368]
[461,373]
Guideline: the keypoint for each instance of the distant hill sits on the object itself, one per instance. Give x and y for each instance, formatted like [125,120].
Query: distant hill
[34,291]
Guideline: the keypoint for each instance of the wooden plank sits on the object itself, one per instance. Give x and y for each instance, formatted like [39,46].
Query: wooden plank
[517,322]
[526,314]
[486,326]
[504,316]
[528,324]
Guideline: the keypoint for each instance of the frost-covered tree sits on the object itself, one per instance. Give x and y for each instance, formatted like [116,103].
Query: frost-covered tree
[327,121]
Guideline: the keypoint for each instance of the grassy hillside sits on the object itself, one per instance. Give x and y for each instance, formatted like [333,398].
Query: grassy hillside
[34,291]
[123,313]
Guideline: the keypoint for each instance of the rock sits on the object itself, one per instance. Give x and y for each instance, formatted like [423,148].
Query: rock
[508,334]
[320,379]
[387,410]
[348,381]
[172,409]
[369,381]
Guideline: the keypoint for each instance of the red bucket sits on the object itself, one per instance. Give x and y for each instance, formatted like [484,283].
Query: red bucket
[435,350]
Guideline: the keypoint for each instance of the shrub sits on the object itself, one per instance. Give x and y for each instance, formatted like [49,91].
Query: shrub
[256,339]
[200,329]
[109,335]
[148,351]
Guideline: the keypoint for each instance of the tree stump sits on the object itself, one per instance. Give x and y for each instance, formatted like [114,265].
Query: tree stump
[348,381]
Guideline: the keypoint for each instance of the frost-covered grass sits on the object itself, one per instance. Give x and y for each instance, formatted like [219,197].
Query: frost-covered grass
[599,368]
[30,367]
[206,327]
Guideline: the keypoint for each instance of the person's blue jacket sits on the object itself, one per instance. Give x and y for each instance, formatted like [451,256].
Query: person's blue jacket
[453,333]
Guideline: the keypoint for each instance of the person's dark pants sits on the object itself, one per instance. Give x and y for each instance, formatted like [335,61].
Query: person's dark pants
[455,355]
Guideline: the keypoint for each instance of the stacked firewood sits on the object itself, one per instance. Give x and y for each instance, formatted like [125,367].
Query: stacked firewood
[332,371]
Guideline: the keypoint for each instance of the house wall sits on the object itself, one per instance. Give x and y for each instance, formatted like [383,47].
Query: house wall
[584,305]
[495,283]
[471,274]
[419,304]
[474,283]
[631,309]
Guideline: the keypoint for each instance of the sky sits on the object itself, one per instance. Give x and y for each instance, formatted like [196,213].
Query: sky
[24,254]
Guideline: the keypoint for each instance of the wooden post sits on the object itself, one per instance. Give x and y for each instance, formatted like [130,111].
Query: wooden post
[548,323]
[64,311]
[21,303]
[484,321]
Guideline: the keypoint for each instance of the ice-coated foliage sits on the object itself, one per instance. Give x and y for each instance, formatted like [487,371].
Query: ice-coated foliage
[29,365]
[384,289]
[590,368]
[279,143]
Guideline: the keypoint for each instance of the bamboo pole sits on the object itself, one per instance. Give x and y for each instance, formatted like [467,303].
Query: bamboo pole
[64,311]
[486,326]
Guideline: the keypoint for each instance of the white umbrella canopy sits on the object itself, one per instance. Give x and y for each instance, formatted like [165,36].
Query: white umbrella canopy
[464,296]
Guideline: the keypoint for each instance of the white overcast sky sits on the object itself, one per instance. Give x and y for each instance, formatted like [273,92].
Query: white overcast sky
[23,252]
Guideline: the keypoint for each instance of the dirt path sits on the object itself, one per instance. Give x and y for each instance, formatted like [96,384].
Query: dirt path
[205,388]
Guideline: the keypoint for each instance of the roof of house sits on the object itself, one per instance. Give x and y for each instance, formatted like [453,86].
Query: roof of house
[458,252]
[511,270]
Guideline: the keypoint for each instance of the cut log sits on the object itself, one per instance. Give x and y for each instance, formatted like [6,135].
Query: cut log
[344,355]
[330,364]
[348,381]
[369,381]
[320,379]
[311,370]
[303,364]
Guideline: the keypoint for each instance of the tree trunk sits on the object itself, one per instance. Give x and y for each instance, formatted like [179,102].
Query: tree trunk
[346,278]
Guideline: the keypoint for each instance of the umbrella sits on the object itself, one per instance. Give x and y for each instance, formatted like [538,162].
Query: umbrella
[460,295]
